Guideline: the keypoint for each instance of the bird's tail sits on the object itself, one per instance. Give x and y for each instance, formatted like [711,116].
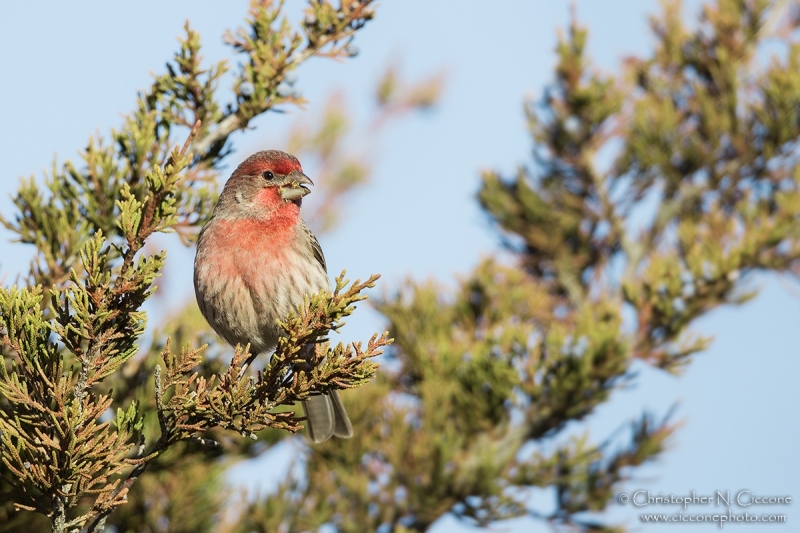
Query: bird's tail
[326,417]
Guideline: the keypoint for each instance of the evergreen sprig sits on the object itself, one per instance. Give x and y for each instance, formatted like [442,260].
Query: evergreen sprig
[189,404]
[59,441]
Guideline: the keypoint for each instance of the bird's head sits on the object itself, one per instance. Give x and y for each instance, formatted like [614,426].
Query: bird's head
[264,182]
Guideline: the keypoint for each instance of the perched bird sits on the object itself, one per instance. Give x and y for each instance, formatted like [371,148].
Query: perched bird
[256,261]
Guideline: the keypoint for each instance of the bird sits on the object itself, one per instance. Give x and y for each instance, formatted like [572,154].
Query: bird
[255,263]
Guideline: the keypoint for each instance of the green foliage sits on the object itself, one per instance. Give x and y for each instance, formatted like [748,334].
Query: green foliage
[67,364]
[172,500]
[53,441]
[486,384]
[473,408]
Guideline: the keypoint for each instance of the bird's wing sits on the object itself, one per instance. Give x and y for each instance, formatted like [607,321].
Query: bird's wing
[317,249]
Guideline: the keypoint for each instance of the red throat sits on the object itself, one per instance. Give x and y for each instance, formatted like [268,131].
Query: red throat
[276,230]
[271,199]
[281,215]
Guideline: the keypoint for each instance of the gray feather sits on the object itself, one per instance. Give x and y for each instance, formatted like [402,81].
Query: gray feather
[341,422]
[320,424]
[326,417]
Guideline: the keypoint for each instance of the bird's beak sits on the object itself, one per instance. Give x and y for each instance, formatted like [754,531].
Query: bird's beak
[294,189]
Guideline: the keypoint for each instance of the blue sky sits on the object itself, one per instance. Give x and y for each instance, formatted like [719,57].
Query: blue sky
[72,71]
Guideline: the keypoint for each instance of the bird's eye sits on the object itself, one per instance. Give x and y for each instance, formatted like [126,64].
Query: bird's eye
[268,175]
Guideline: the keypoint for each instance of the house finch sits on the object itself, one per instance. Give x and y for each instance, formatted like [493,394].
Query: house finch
[256,261]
